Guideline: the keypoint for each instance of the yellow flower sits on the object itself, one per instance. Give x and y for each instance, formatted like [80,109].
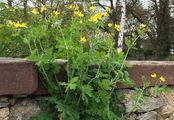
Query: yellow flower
[109,24]
[92,8]
[23,25]
[78,13]
[76,7]
[105,14]
[162,79]
[82,39]
[43,8]
[17,25]
[142,26]
[107,9]
[93,19]
[34,11]
[96,17]
[117,27]
[10,22]
[70,6]
[153,75]
[81,21]
[56,13]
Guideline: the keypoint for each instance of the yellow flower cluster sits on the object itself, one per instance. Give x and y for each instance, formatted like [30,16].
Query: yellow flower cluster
[92,8]
[154,75]
[96,17]
[117,27]
[42,9]
[73,7]
[99,15]
[34,11]
[56,13]
[17,24]
[76,9]
[78,13]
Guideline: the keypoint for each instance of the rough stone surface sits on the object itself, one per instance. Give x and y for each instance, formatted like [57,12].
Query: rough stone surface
[150,104]
[3,99]
[171,117]
[168,109]
[4,112]
[132,117]
[3,102]
[152,115]
[24,109]
[159,108]
[2,105]
[12,101]
[17,76]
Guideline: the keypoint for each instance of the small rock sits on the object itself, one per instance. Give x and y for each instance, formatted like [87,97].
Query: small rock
[168,109]
[12,101]
[24,109]
[3,99]
[41,98]
[132,117]
[171,117]
[152,115]
[4,112]
[3,102]
[150,104]
[2,105]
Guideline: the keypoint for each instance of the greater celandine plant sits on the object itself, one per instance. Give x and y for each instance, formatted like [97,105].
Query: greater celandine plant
[93,64]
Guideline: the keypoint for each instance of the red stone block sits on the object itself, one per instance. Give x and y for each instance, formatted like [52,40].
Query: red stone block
[136,72]
[17,77]
[146,68]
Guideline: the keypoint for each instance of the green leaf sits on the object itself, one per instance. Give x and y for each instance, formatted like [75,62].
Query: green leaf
[159,89]
[127,42]
[104,95]
[86,91]
[66,111]
[105,84]
[127,82]
[42,58]
[72,84]
[140,32]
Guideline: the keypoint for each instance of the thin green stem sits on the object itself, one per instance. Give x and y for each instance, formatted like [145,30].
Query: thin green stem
[122,65]
[41,46]
[29,46]
[96,76]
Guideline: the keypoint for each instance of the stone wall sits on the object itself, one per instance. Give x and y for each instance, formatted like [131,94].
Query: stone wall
[19,78]
[18,108]
[154,108]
